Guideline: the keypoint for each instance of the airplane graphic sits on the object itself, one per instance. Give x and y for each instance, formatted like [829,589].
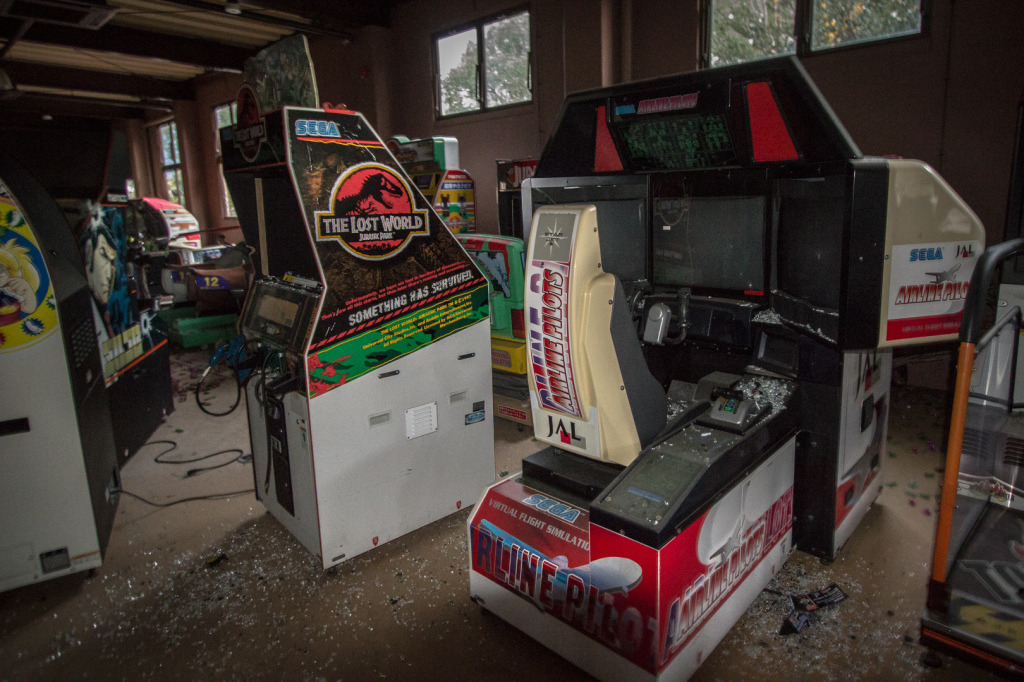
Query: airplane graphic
[947,276]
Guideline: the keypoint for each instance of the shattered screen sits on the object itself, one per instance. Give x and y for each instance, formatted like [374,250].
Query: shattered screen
[710,242]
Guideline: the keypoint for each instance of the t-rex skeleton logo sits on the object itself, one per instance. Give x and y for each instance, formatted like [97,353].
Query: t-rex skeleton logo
[372,198]
[372,213]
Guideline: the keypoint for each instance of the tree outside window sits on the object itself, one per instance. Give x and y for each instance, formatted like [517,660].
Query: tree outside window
[224,115]
[847,22]
[745,30]
[502,46]
[170,162]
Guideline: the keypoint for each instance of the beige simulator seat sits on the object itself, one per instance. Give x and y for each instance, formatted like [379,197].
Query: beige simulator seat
[590,387]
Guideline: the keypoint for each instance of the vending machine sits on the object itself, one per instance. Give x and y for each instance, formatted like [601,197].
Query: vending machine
[715,279]
[58,469]
[511,174]
[370,409]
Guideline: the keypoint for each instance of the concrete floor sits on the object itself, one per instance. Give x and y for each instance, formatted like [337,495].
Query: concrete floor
[156,610]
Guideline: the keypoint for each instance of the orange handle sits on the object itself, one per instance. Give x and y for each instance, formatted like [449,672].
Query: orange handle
[964,368]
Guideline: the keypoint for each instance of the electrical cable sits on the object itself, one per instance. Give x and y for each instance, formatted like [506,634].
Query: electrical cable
[238,397]
[216,496]
[243,458]
[266,420]
[239,384]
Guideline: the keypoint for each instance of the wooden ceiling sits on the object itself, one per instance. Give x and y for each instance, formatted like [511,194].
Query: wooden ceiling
[115,59]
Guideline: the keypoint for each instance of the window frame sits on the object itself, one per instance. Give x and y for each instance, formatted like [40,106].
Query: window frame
[225,197]
[803,27]
[178,167]
[481,80]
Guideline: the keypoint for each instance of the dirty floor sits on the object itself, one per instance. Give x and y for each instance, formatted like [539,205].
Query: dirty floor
[217,589]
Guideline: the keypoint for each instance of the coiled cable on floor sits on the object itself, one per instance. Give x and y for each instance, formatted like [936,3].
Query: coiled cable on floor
[242,458]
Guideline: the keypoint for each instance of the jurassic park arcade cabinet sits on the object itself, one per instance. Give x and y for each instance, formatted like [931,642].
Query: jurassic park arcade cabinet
[719,235]
[370,411]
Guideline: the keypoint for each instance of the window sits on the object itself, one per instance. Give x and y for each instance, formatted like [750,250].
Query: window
[502,46]
[847,22]
[170,162]
[745,30]
[224,115]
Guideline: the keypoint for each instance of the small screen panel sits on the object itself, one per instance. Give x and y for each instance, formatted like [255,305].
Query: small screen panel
[278,310]
[779,353]
[709,242]
[678,142]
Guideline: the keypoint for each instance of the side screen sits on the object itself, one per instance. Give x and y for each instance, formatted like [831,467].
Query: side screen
[810,247]
[709,242]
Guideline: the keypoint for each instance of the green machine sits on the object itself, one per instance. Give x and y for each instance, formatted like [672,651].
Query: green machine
[502,259]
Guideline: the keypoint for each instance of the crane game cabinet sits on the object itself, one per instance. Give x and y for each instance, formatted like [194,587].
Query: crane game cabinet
[715,278]
[370,407]
[433,165]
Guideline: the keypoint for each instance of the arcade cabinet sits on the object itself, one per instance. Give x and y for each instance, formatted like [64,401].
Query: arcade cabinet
[502,259]
[132,339]
[172,237]
[715,278]
[58,468]
[370,409]
[975,608]
[433,165]
[511,174]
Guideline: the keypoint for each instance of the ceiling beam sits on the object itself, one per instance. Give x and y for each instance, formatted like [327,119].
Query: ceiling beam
[31,106]
[130,41]
[354,13]
[32,120]
[25,73]
[335,24]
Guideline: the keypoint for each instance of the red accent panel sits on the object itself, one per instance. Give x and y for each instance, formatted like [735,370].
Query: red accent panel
[518,323]
[606,158]
[768,134]
[917,327]
[842,510]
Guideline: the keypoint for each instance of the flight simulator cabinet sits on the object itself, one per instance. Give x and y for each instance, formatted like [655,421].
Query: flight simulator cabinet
[58,468]
[715,279]
[370,408]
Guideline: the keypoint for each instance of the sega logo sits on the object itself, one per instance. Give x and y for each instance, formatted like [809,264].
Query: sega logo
[553,507]
[308,127]
[933,253]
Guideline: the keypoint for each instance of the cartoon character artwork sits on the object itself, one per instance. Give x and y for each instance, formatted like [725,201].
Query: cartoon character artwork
[28,310]
[493,263]
[122,333]
[455,202]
